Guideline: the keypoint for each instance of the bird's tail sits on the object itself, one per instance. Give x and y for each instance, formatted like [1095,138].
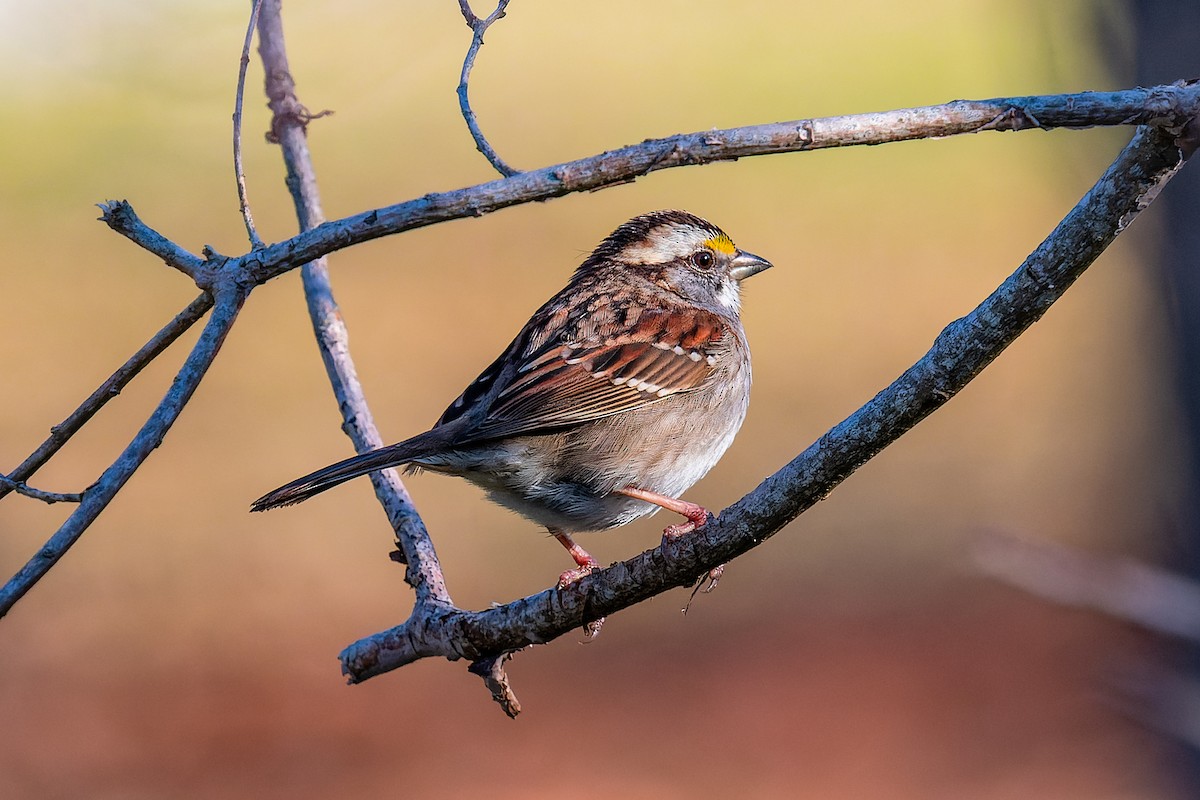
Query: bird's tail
[301,489]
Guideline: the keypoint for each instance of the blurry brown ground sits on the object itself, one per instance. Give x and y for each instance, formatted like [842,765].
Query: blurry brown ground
[185,648]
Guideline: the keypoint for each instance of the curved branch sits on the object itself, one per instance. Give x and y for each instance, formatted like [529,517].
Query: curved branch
[99,494]
[425,572]
[960,352]
[478,28]
[239,172]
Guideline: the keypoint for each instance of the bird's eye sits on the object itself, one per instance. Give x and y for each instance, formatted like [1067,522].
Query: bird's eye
[702,259]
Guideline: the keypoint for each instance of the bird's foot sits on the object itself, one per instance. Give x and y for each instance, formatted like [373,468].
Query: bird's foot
[573,575]
[586,566]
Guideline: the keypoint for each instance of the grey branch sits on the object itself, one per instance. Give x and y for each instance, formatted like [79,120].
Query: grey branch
[425,573]
[61,433]
[239,171]
[100,493]
[10,485]
[1169,105]
[478,28]
[959,353]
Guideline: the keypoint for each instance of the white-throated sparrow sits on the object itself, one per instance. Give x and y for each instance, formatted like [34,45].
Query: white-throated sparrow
[620,392]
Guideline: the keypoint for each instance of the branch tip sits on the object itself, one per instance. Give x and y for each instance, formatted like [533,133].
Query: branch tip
[116,213]
[496,680]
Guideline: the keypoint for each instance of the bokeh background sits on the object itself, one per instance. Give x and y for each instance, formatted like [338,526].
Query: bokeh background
[186,648]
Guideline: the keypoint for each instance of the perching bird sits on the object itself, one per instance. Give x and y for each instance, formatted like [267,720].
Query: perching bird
[620,392]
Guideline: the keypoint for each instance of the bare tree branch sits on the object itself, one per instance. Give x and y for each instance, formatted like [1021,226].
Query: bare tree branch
[425,572]
[1161,105]
[99,494]
[959,353]
[61,433]
[478,28]
[238,170]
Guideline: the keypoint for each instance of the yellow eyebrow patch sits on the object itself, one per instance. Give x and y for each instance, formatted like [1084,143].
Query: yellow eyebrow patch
[722,244]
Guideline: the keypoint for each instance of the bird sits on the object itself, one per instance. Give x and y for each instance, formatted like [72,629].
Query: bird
[620,392]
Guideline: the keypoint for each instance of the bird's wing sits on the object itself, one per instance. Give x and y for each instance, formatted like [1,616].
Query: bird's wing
[582,374]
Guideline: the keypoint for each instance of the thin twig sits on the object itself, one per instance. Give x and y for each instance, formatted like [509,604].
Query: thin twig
[99,494]
[238,171]
[959,353]
[425,572]
[61,433]
[478,28]
[10,485]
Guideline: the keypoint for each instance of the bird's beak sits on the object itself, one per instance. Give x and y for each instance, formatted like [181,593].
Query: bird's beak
[746,264]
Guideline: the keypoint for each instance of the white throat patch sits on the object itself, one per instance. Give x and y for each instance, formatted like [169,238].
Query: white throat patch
[729,296]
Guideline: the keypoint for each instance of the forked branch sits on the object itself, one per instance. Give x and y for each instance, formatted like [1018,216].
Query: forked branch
[478,28]
[61,433]
[97,496]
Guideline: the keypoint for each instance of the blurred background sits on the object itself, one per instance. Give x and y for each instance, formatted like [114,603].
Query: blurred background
[186,648]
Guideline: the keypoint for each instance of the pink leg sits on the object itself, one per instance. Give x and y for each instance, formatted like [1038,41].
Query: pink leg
[696,515]
[586,563]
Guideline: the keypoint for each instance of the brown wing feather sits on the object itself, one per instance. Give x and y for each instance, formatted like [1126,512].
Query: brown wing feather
[581,380]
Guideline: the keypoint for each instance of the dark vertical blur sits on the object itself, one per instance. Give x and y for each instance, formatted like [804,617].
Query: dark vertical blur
[1167,42]
[1166,38]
